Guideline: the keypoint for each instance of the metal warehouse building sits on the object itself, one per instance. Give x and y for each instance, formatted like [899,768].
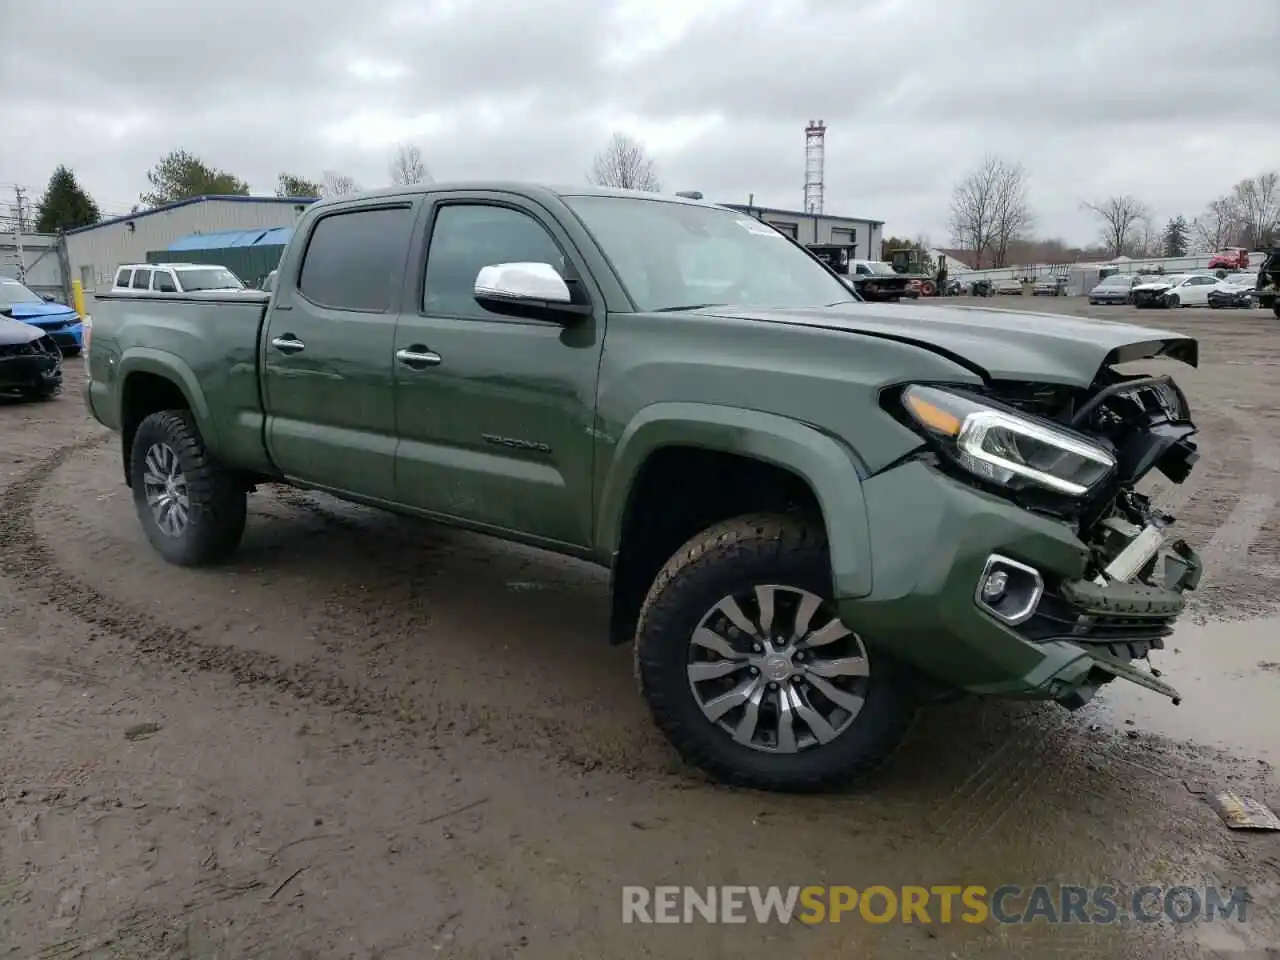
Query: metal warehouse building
[94,252]
[861,234]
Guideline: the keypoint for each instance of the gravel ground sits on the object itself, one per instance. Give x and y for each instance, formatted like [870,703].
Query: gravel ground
[374,738]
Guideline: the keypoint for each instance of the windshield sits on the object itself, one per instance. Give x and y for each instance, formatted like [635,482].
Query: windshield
[1118,280]
[12,292]
[209,278]
[671,256]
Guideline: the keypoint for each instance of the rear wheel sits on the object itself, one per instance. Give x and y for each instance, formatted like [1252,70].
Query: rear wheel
[748,670]
[192,509]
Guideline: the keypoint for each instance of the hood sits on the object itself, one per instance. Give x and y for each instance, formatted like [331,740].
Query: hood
[1002,344]
[39,312]
[13,331]
[1153,285]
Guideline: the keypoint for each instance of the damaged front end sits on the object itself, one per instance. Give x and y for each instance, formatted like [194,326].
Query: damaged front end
[1076,456]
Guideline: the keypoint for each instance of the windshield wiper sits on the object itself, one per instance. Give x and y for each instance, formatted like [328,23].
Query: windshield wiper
[688,306]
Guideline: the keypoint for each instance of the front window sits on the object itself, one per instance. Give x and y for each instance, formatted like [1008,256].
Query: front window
[1118,281]
[13,293]
[671,256]
[209,278]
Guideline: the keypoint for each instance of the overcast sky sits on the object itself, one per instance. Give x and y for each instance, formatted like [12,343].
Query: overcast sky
[1171,100]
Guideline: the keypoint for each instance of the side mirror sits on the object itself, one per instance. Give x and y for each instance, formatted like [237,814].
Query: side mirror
[533,290]
[47,297]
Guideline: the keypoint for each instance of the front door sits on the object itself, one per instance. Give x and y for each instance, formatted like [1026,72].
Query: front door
[495,413]
[327,360]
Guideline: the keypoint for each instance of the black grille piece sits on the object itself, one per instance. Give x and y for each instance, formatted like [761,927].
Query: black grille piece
[1129,636]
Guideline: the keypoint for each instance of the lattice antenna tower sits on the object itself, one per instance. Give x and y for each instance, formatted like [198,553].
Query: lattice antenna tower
[815,149]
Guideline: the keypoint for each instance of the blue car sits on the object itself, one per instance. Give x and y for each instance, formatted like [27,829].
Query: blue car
[59,321]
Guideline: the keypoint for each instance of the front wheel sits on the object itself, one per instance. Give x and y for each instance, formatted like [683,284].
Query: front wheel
[1172,301]
[750,673]
[192,509]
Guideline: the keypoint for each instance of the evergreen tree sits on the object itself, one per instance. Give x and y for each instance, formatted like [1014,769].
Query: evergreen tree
[64,205]
[180,175]
[291,185]
[1177,237]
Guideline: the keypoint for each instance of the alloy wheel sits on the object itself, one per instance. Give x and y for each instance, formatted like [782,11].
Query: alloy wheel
[776,670]
[165,486]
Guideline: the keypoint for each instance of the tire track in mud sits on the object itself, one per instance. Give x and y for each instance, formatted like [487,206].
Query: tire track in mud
[1233,588]
[22,552]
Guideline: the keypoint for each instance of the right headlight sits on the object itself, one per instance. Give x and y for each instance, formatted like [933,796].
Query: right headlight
[1005,448]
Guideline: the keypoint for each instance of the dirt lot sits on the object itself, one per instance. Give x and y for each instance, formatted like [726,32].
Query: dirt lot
[374,738]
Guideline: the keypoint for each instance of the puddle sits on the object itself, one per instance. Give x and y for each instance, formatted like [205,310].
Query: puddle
[1229,678]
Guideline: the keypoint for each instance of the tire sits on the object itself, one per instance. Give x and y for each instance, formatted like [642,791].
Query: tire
[1172,302]
[216,500]
[788,555]
[1093,303]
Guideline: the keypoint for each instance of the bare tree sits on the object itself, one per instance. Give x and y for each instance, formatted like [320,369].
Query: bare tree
[989,209]
[1257,203]
[1012,212]
[624,164]
[1122,218]
[407,167]
[1215,228]
[336,184]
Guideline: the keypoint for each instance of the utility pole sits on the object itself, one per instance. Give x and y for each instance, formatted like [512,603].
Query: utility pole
[18,226]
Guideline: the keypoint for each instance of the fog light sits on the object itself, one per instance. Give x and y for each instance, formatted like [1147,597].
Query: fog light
[1008,590]
[994,586]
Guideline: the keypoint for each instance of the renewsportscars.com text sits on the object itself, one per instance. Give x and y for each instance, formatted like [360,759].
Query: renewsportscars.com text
[1009,904]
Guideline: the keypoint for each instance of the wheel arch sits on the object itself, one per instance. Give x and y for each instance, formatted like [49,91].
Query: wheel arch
[153,380]
[758,461]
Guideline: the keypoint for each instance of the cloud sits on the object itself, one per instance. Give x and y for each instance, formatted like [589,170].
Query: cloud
[1151,97]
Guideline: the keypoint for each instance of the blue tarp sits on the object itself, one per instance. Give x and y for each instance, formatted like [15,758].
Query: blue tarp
[276,236]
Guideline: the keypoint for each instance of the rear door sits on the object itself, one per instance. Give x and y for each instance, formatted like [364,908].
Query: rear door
[327,357]
[496,425]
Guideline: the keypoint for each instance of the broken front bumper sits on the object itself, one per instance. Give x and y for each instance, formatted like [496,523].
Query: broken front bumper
[1047,633]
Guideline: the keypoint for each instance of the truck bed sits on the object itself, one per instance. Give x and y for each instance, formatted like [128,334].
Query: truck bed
[214,341]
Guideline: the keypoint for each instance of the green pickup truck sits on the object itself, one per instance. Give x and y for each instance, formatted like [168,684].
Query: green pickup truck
[817,512]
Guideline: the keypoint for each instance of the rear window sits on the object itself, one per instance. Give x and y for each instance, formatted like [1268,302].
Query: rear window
[208,278]
[122,278]
[354,258]
[141,279]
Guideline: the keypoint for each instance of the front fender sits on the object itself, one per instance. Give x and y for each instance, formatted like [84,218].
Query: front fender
[174,369]
[831,469]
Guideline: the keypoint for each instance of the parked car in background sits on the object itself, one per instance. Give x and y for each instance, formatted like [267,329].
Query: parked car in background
[1230,258]
[1008,287]
[175,278]
[1175,290]
[30,362]
[1050,287]
[62,323]
[1236,291]
[1117,288]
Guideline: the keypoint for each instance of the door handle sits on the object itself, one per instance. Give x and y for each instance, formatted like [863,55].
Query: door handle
[288,344]
[418,357]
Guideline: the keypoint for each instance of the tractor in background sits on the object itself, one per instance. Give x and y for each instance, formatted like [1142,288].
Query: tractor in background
[911,263]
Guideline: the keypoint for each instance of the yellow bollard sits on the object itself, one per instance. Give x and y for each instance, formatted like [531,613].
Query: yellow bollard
[77,296]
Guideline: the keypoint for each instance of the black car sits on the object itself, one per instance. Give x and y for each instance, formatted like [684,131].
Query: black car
[30,362]
[1233,298]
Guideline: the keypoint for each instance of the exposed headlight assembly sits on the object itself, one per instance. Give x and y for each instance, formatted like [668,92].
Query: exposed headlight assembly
[1005,448]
